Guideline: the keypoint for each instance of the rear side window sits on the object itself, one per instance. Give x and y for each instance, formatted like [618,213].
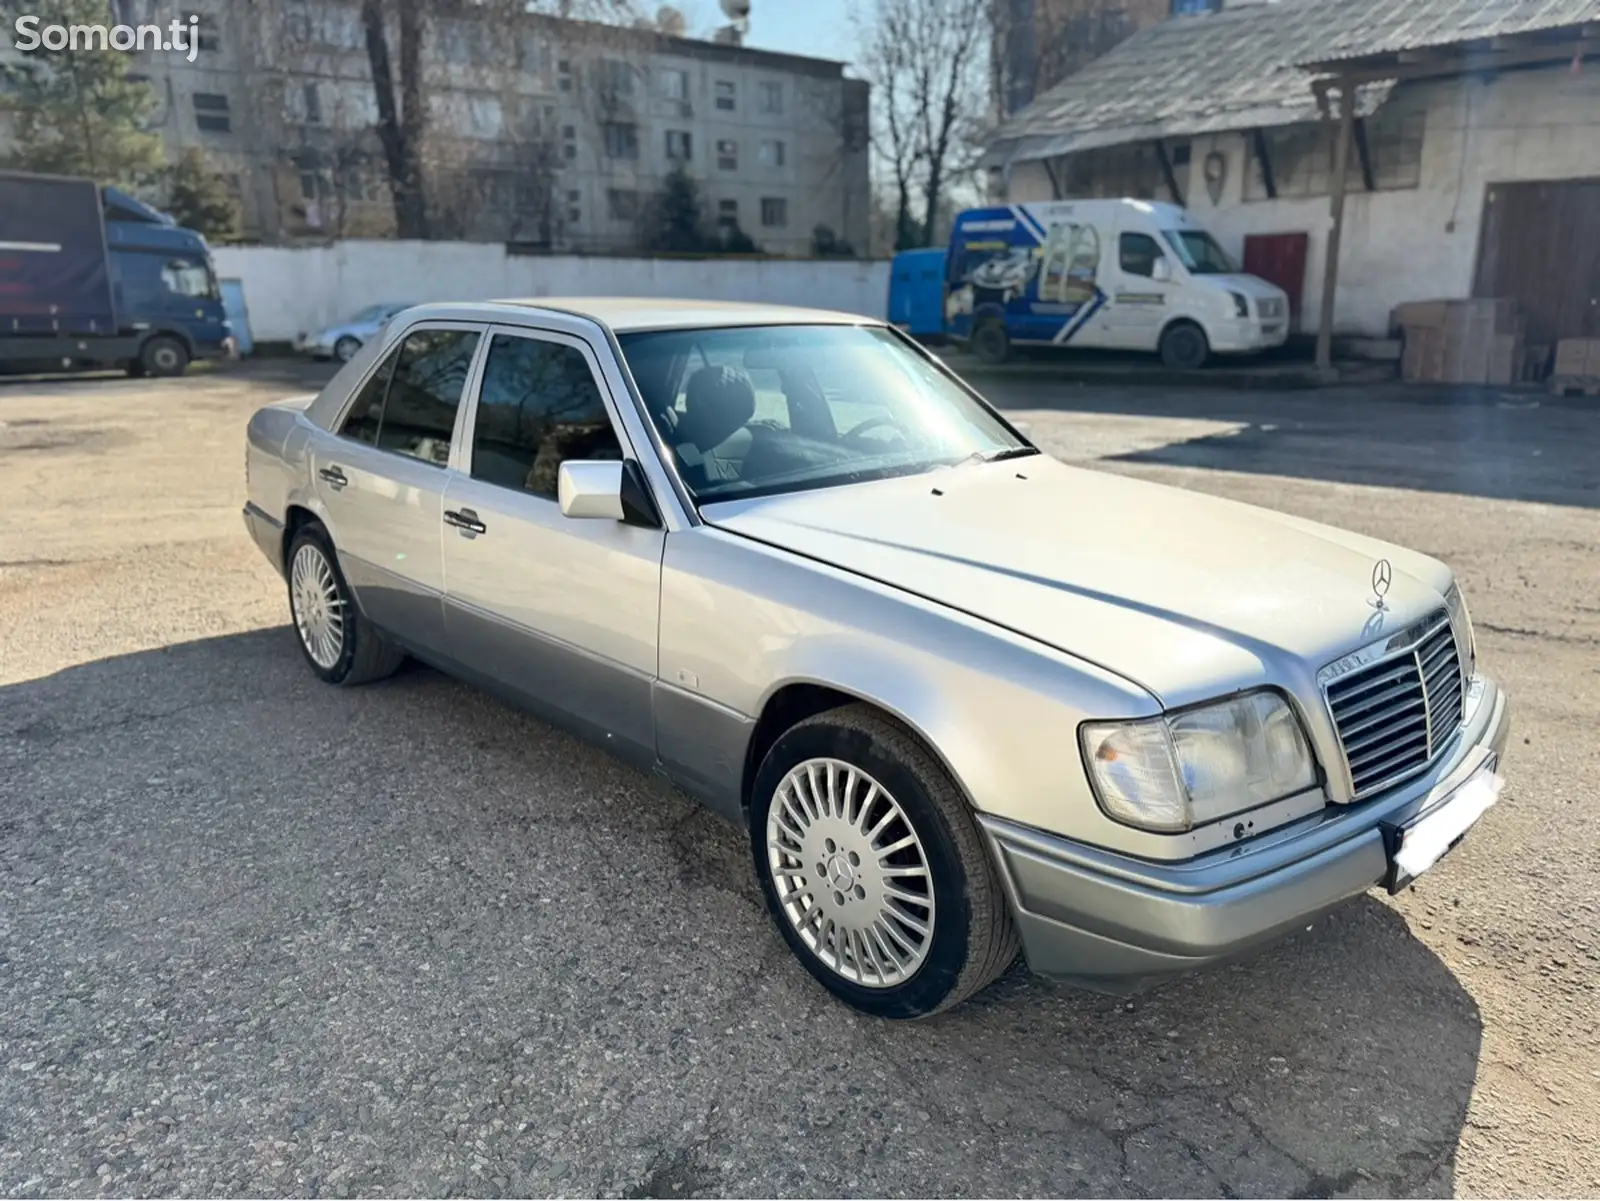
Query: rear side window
[366,413]
[429,374]
[539,405]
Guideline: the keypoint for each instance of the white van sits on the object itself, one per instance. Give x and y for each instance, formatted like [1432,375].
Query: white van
[1119,274]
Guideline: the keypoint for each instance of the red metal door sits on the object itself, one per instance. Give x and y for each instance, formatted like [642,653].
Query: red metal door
[1279,259]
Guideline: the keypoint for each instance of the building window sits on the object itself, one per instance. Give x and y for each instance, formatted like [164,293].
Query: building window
[675,84]
[574,216]
[311,104]
[774,211]
[727,214]
[771,96]
[311,186]
[1300,157]
[211,112]
[622,141]
[771,153]
[564,75]
[573,196]
[616,77]
[680,145]
[570,151]
[208,42]
[725,95]
[622,204]
[727,154]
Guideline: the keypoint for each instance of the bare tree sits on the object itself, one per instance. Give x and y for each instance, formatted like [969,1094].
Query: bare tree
[927,60]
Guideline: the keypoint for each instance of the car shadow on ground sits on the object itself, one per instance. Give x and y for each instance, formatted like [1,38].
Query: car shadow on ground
[262,936]
[1501,444]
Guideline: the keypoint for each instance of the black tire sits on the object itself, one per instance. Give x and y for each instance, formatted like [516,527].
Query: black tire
[990,342]
[1184,346]
[973,939]
[346,348]
[164,355]
[363,654]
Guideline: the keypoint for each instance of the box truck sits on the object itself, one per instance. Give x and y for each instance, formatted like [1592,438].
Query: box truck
[93,278]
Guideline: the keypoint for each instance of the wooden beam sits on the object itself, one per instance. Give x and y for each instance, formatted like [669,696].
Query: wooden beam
[1464,64]
[1259,140]
[1055,184]
[1166,172]
[1330,259]
[1362,155]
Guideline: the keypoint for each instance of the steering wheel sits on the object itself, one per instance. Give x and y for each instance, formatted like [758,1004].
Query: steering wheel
[872,423]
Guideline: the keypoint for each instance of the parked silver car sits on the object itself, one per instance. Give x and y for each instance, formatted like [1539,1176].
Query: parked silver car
[964,697]
[343,339]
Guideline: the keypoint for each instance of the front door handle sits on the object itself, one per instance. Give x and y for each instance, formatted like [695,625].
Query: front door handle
[335,477]
[465,520]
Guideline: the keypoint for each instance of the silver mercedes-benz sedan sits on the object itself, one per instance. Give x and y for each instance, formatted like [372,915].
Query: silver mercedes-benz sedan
[966,699]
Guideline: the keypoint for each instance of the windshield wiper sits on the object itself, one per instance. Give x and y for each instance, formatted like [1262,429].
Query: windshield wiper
[1013,452]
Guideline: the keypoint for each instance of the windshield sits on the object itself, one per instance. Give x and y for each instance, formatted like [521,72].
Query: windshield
[1199,252]
[766,409]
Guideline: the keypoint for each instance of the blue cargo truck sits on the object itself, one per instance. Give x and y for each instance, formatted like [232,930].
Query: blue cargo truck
[92,278]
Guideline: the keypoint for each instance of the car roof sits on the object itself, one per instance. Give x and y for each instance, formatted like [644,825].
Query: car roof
[631,314]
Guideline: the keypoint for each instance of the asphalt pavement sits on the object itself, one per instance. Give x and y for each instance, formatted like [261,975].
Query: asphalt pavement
[259,936]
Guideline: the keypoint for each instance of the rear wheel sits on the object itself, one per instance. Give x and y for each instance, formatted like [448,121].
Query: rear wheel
[990,342]
[341,646]
[164,356]
[1184,347]
[873,868]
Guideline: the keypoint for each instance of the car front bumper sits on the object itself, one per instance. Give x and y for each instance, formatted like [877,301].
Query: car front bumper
[1248,334]
[1115,923]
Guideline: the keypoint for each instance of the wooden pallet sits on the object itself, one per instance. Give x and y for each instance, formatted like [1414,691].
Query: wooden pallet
[1575,385]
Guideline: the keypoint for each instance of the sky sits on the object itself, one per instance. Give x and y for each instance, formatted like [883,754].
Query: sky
[820,28]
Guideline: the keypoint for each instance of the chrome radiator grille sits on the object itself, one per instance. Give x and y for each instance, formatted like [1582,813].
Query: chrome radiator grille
[1394,713]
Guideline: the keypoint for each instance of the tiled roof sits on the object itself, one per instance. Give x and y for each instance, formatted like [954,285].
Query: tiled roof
[1244,67]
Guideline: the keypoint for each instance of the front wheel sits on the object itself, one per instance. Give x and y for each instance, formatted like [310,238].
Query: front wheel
[873,868]
[163,356]
[1184,347]
[345,348]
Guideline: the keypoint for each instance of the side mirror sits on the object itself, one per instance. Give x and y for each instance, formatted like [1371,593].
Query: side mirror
[1161,270]
[608,489]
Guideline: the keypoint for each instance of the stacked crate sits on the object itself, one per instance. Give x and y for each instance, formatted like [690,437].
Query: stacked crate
[1461,341]
[1577,369]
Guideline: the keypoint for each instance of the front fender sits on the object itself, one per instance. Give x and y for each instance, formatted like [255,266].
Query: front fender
[741,620]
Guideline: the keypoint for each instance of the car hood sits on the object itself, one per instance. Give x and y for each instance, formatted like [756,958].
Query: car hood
[1249,285]
[1188,595]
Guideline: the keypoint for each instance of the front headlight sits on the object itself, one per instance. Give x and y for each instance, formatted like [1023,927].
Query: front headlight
[1461,628]
[1189,768]
[1241,306]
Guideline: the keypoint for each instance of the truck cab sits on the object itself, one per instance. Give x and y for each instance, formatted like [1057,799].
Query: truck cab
[1114,274]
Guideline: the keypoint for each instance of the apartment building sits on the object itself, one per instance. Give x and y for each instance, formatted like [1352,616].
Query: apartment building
[551,133]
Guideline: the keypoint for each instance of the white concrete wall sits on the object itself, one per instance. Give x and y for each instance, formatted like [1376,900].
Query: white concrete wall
[1414,243]
[288,290]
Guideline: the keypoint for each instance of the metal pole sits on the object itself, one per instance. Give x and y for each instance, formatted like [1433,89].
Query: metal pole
[1330,265]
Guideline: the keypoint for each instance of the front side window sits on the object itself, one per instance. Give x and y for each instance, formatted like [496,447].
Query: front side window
[1199,252]
[539,405]
[419,414]
[188,277]
[1137,254]
[768,409]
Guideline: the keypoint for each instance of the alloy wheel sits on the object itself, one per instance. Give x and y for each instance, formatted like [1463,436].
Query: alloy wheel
[850,873]
[318,606]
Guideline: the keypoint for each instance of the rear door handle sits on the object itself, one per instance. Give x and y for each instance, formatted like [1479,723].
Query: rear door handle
[334,476]
[465,520]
